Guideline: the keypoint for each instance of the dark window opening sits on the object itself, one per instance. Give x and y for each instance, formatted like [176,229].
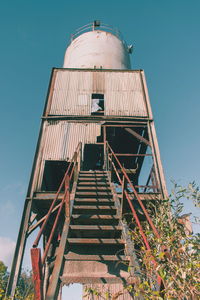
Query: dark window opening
[121,142]
[100,137]
[54,171]
[93,158]
[97,104]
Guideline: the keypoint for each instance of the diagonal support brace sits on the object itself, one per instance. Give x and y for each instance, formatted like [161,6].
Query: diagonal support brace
[138,136]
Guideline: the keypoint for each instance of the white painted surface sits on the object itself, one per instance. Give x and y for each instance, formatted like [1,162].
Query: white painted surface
[97,49]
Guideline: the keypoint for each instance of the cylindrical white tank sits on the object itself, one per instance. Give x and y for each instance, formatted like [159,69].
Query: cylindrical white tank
[97,49]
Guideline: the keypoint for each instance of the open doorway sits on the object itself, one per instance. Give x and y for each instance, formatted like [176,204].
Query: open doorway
[93,157]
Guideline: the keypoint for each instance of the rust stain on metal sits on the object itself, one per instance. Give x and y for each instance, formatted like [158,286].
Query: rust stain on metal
[37,273]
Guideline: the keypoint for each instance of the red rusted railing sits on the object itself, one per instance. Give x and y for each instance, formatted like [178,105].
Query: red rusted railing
[37,260]
[126,192]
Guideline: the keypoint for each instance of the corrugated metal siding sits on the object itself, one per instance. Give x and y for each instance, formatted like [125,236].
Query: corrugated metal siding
[117,291]
[61,138]
[124,94]
[66,91]
[123,91]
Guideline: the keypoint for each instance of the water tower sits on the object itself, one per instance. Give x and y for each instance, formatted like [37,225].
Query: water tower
[97,163]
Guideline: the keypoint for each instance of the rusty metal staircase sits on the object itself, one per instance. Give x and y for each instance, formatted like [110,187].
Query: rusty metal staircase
[94,246]
[95,240]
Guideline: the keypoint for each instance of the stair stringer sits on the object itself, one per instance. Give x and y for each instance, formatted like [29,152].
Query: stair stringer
[58,264]
[98,270]
[118,290]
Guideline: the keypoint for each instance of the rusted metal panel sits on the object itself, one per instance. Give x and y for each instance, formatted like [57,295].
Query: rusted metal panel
[124,95]
[71,93]
[123,92]
[62,137]
[59,141]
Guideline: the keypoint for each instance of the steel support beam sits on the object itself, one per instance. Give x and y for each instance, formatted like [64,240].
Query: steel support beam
[37,273]
[138,136]
[54,284]
[33,227]
[154,142]
[19,250]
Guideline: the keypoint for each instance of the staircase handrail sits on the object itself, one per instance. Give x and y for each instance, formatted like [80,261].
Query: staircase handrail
[134,191]
[66,183]
[108,148]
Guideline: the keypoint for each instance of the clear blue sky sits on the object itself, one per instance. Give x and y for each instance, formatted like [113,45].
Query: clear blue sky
[34,36]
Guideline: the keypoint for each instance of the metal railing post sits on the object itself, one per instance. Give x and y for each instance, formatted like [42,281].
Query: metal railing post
[111,167]
[67,197]
[37,273]
[124,185]
[106,159]
[80,157]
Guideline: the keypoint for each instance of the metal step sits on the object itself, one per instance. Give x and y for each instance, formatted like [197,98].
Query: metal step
[75,256]
[93,188]
[93,241]
[94,201]
[99,217]
[95,219]
[93,179]
[95,234]
[92,207]
[94,183]
[94,210]
[95,227]
[93,194]
[93,172]
[94,176]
